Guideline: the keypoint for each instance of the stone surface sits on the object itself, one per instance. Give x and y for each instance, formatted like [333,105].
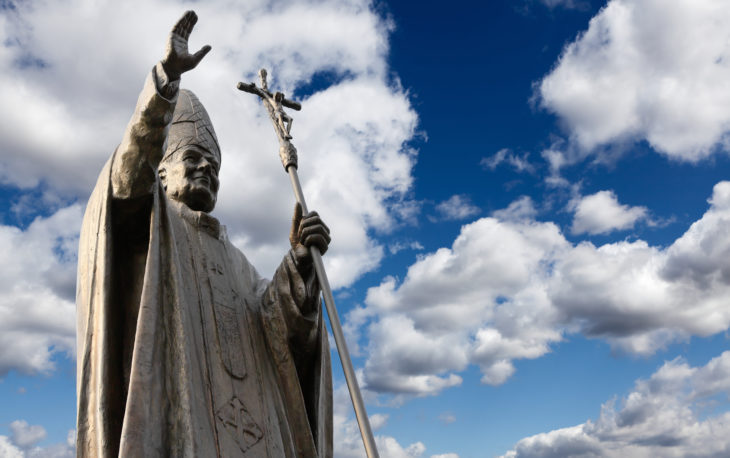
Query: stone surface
[183,349]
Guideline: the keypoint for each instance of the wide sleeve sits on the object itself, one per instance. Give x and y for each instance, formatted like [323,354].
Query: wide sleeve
[134,166]
[297,337]
[298,299]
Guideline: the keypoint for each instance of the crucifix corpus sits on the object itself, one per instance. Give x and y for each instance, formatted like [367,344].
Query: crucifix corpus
[282,122]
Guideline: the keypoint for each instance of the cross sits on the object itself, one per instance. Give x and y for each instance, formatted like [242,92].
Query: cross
[288,154]
[274,104]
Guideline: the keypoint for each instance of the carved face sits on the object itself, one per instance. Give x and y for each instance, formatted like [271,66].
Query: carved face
[190,176]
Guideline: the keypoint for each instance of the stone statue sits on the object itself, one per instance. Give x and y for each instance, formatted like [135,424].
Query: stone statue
[183,349]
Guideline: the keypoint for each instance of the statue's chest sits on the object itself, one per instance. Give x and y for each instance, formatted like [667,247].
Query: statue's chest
[232,351]
[224,298]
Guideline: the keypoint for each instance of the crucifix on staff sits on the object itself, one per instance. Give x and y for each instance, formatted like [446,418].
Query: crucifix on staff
[282,122]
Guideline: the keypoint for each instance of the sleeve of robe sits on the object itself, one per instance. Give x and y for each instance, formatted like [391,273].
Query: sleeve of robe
[99,354]
[297,337]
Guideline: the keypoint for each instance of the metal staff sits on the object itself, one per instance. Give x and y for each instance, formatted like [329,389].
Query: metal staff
[288,155]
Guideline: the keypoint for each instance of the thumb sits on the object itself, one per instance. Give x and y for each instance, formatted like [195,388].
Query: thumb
[198,56]
[295,221]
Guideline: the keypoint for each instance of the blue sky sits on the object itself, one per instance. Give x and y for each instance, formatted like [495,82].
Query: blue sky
[530,250]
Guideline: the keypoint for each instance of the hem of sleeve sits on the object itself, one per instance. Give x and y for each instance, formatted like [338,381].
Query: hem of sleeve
[165,88]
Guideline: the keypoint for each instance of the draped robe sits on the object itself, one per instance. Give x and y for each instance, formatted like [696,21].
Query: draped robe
[183,349]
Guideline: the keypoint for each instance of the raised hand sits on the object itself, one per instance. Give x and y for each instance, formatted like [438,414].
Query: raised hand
[307,230]
[178,59]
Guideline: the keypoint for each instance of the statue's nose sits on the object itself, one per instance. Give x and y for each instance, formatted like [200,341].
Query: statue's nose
[204,165]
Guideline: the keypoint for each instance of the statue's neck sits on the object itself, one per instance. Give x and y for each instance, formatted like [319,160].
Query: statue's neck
[199,219]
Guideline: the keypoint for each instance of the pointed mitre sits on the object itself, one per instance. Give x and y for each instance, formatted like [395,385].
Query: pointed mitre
[191,126]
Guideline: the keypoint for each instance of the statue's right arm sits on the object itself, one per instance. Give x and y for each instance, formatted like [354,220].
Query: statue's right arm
[134,167]
[135,162]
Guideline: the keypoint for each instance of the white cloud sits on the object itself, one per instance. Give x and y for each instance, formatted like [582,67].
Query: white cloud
[519,210]
[662,416]
[24,437]
[447,418]
[601,213]
[442,316]
[348,442]
[643,297]
[508,288]
[405,363]
[456,207]
[399,246]
[570,4]
[354,323]
[37,311]
[556,160]
[63,116]
[519,163]
[645,71]
[8,450]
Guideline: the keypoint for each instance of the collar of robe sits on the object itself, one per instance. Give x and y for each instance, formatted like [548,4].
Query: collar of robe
[200,219]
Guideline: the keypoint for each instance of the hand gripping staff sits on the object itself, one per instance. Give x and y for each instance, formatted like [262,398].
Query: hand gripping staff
[274,104]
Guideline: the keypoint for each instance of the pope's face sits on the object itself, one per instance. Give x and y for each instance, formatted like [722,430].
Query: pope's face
[190,176]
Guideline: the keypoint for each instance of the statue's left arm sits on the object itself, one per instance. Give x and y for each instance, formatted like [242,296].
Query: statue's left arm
[294,290]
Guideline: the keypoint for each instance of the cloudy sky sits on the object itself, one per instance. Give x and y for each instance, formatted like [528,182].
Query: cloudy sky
[531,227]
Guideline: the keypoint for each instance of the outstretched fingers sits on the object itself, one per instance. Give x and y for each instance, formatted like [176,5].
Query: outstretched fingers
[185,25]
[192,20]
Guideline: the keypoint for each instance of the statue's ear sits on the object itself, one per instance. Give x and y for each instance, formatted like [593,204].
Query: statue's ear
[162,173]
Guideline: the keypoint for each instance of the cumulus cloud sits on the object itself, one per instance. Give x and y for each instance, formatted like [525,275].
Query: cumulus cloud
[639,73]
[456,207]
[64,115]
[348,442]
[662,416]
[24,437]
[509,288]
[522,209]
[441,316]
[8,450]
[37,311]
[601,213]
[641,297]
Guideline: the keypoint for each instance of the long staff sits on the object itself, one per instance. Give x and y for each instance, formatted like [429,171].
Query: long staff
[288,155]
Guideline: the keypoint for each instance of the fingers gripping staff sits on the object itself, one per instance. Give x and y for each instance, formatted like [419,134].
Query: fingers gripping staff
[308,232]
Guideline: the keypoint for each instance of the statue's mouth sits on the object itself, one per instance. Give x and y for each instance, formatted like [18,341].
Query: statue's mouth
[203,179]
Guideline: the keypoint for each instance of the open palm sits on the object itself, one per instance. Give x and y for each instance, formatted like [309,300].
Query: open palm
[178,59]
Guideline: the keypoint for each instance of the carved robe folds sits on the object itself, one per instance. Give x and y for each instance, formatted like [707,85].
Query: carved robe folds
[183,349]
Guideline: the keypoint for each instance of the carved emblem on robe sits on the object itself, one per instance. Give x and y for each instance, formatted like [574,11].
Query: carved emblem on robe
[239,424]
[225,306]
